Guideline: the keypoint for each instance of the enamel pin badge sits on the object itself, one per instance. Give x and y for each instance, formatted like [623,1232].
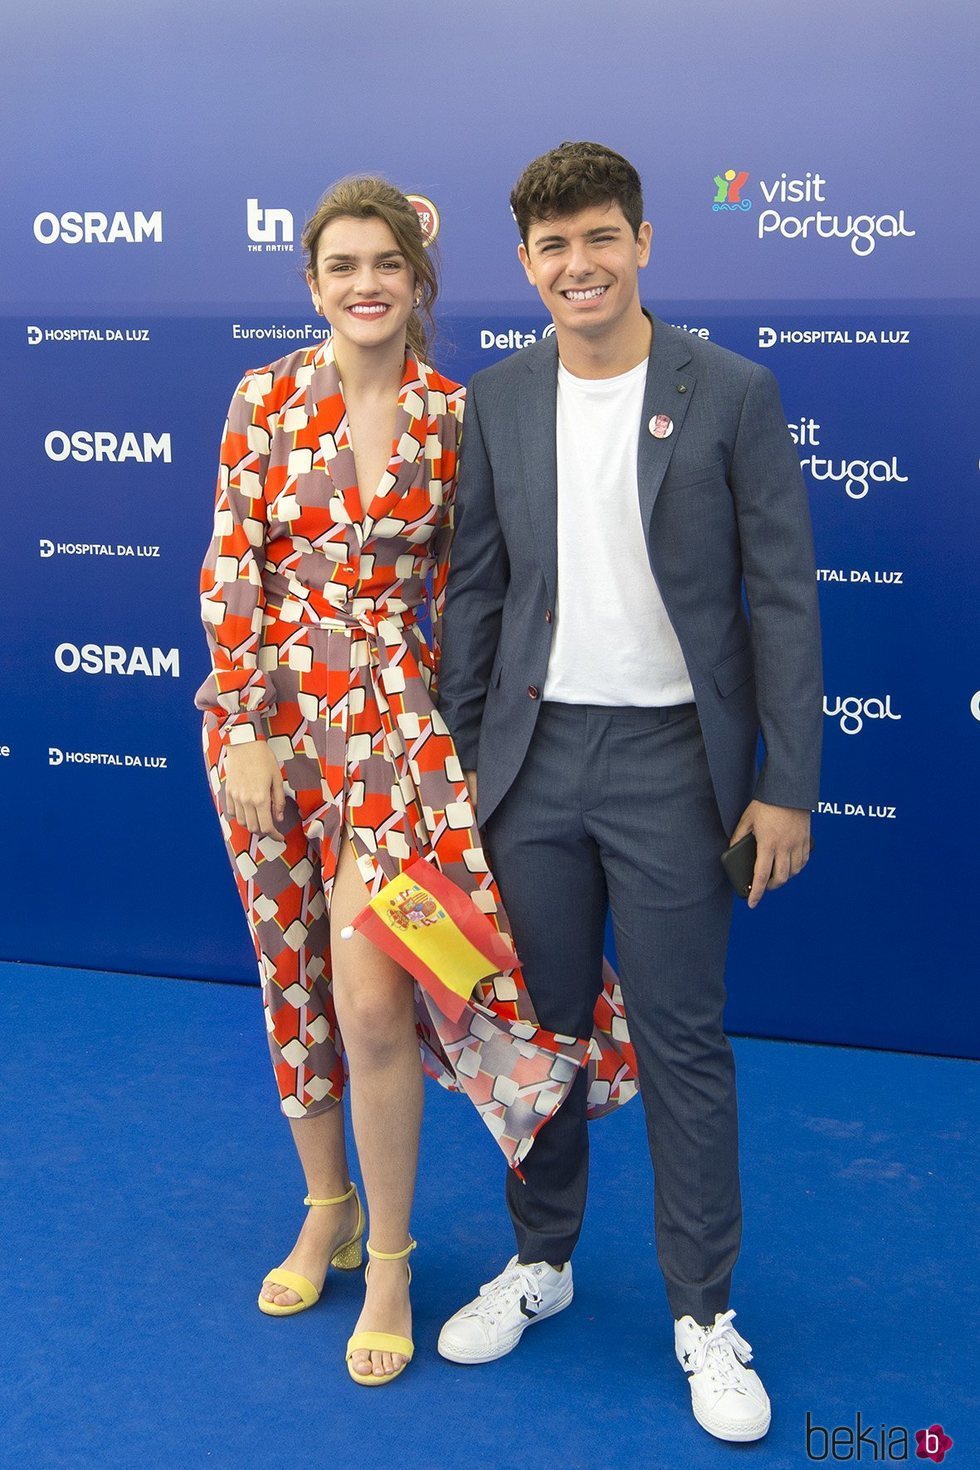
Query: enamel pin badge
[661,426]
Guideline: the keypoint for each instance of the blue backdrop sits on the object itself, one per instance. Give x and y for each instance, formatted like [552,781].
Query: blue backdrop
[163,159]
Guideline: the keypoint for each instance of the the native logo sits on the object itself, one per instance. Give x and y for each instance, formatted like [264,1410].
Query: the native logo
[428,216]
[728,191]
[268,229]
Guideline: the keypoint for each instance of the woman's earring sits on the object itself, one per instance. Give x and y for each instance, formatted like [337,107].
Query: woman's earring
[317,307]
[418,300]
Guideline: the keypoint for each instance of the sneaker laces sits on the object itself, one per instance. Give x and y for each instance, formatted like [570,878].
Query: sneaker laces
[500,1294]
[719,1349]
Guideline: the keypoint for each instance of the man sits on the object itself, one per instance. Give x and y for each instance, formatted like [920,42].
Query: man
[622,481]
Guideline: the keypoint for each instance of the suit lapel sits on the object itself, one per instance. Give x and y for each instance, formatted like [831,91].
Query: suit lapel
[537,417]
[669,387]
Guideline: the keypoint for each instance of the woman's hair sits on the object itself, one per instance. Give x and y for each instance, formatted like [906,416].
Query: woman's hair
[368,197]
[572,177]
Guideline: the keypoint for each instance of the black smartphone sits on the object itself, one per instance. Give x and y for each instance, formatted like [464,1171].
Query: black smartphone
[738,862]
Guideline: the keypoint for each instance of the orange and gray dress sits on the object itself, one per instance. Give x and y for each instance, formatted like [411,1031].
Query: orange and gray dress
[311,608]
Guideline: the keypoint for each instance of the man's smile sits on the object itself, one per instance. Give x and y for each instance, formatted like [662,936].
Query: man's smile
[590,293]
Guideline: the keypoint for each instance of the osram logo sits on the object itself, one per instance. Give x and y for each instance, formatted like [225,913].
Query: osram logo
[110,658]
[101,445]
[91,227]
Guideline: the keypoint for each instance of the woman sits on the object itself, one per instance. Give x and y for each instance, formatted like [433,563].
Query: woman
[332,770]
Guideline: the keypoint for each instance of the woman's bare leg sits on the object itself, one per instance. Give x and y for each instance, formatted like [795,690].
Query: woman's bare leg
[322,1151]
[375,1002]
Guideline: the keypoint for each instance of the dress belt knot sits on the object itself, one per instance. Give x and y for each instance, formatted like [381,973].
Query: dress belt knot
[368,620]
[359,615]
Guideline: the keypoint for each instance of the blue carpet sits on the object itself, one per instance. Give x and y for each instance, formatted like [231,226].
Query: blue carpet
[149,1183]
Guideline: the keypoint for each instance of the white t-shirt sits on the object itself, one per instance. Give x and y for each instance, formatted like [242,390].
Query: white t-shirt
[613,642]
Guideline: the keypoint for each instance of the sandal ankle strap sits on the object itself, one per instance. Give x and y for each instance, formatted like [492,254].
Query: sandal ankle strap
[337,1200]
[391,1255]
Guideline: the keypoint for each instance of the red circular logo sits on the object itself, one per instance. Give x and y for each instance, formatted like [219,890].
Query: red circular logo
[428,215]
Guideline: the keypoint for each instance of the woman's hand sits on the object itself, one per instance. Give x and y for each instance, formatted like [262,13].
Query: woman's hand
[254,793]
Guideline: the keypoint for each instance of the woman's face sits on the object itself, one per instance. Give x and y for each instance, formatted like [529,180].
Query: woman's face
[363,283]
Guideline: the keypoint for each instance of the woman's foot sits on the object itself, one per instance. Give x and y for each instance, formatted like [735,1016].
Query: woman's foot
[387,1308]
[325,1228]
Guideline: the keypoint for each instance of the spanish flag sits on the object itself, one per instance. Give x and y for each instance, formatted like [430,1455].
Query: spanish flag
[435,932]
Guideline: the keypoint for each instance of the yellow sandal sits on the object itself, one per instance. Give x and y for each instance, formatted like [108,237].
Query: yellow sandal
[381,1342]
[346,1257]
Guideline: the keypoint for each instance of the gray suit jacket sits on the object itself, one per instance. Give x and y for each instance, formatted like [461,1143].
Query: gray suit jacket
[725,508]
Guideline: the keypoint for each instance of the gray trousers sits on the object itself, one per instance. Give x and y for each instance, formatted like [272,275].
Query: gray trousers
[613,811]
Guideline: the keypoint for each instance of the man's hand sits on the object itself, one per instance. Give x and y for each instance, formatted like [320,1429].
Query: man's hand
[254,793]
[782,835]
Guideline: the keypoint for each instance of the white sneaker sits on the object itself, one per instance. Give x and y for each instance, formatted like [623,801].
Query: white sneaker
[728,1399]
[492,1324]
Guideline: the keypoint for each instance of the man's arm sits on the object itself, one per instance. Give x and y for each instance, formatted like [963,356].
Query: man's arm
[479,573]
[780,582]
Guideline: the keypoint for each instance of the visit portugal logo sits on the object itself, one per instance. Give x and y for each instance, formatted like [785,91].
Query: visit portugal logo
[728,190]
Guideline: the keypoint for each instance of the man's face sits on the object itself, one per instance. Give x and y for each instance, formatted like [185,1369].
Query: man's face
[585,267]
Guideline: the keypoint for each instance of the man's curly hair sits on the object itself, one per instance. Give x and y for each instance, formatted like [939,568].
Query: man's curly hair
[572,177]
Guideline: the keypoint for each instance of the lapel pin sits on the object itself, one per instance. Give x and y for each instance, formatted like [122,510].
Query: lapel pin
[661,426]
[682,387]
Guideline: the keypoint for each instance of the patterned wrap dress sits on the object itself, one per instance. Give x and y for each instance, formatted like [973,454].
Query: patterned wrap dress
[310,607]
